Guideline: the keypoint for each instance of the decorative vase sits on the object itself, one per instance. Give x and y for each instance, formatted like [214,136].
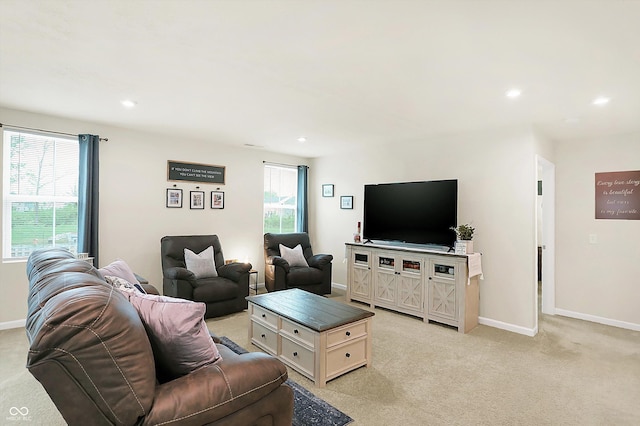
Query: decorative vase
[464,246]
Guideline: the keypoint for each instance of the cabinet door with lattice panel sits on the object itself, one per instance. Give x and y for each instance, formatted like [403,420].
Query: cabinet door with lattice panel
[442,300]
[410,285]
[360,281]
[385,281]
[361,288]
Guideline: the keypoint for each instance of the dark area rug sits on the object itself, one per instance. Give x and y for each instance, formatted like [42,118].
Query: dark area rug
[308,409]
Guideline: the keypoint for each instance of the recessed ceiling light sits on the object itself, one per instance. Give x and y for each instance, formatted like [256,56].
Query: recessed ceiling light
[302,139]
[128,103]
[513,93]
[602,100]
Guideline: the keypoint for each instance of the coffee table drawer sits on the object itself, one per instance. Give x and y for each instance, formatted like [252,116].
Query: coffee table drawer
[298,332]
[265,316]
[300,357]
[346,357]
[265,338]
[346,333]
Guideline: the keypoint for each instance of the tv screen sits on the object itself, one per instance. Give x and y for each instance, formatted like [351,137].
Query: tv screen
[412,212]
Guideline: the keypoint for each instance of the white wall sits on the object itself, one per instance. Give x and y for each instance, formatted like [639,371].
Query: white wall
[496,183]
[133,216]
[598,282]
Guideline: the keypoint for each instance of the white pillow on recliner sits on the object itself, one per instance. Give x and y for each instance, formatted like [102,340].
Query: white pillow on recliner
[293,256]
[202,264]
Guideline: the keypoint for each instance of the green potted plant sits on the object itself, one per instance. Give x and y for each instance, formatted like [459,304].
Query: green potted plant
[464,233]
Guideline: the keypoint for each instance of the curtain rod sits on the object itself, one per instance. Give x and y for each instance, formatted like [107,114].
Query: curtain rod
[281,164]
[44,131]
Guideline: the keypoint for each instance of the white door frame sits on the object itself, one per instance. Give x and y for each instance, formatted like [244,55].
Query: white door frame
[548,177]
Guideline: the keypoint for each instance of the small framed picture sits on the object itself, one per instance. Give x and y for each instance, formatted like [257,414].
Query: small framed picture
[197,199]
[174,198]
[327,190]
[217,200]
[346,202]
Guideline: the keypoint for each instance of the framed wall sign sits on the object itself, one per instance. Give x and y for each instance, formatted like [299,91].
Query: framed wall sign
[217,200]
[327,190]
[346,202]
[194,172]
[618,195]
[174,198]
[197,200]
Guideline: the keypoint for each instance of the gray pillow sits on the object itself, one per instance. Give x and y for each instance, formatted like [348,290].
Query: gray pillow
[179,336]
[293,256]
[201,264]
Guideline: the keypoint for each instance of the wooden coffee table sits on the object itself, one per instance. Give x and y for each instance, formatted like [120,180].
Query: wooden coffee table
[318,337]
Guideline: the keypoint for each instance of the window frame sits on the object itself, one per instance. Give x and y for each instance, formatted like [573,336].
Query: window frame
[8,199]
[293,208]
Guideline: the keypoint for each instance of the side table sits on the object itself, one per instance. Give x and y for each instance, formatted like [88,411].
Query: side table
[255,283]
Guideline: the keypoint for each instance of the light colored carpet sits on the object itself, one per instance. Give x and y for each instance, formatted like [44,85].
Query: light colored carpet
[572,373]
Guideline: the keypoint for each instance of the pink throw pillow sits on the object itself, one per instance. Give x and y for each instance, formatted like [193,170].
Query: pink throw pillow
[179,336]
[120,269]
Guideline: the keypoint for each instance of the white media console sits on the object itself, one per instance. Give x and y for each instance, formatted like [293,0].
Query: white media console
[431,285]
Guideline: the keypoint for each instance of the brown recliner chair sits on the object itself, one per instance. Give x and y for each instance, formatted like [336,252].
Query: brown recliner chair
[90,351]
[224,294]
[279,275]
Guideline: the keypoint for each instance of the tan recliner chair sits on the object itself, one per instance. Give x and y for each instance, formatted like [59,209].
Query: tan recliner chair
[280,275]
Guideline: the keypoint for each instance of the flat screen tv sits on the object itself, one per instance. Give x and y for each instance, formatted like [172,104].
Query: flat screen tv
[411,212]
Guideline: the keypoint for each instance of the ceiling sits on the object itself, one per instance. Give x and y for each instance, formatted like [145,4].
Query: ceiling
[345,74]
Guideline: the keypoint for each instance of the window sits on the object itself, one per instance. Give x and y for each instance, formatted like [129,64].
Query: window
[280,198]
[40,193]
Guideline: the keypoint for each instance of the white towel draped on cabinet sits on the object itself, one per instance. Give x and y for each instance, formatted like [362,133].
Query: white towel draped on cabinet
[475,266]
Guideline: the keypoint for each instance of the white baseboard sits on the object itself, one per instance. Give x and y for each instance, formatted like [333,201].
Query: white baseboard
[339,286]
[600,320]
[509,327]
[13,324]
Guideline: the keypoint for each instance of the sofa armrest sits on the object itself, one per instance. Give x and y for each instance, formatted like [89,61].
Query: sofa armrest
[217,390]
[234,271]
[148,288]
[278,261]
[141,279]
[178,273]
[320,260]
[214,337]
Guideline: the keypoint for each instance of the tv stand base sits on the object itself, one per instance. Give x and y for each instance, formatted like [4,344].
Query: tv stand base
[431,285]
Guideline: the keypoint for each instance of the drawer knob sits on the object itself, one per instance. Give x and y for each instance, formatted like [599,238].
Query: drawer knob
[347,354]
[295,354]
[264,336]
[295,331]
[264,315]
[348,333]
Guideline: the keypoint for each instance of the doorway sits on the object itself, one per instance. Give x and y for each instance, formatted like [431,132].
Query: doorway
[546,237]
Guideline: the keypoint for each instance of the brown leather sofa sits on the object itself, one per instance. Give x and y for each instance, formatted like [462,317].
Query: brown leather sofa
[279,275]
[90,351]
[223,294]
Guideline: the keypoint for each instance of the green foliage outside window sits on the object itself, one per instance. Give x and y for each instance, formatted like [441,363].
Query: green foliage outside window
[280,222]
[32,224]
